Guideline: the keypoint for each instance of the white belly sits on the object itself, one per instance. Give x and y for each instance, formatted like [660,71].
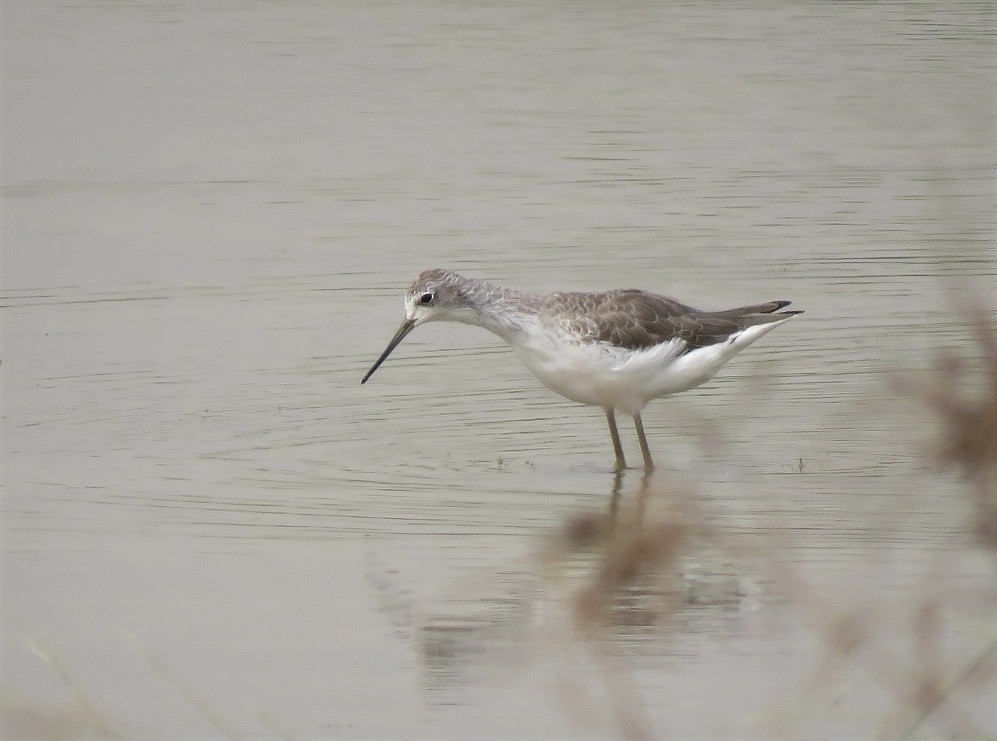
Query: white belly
[607,376]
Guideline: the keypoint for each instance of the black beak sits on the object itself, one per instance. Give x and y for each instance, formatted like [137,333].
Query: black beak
[407,326]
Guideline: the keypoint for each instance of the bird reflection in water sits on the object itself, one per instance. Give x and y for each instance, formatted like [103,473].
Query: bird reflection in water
[605,577]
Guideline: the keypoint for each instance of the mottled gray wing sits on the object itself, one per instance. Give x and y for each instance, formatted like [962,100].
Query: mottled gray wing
[635,319]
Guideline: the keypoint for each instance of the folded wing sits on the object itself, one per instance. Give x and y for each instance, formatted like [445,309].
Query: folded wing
[634,320]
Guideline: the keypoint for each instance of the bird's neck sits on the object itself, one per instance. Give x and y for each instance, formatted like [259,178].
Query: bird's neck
[503,311]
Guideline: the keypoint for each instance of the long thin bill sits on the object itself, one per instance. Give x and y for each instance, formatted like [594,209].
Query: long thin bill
[407,326]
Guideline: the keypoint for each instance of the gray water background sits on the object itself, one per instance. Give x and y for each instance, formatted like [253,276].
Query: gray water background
[211,212]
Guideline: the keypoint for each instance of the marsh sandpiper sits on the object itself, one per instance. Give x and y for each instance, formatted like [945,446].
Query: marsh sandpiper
[616,349]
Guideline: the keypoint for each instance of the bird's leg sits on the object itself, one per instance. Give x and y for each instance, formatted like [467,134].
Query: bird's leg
[648,463]
[621,462]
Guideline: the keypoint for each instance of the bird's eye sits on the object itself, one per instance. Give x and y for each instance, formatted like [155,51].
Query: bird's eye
[425,298]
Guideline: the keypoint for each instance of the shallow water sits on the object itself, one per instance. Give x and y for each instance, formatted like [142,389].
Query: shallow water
[211,214]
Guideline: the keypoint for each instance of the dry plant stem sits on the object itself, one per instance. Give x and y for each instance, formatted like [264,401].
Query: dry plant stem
[985,663]
[188,692]
[849,636]
[975,311]
[95,718]
[969,425]
[845,635]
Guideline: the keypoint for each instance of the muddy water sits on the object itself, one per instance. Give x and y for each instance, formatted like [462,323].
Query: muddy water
[211,213]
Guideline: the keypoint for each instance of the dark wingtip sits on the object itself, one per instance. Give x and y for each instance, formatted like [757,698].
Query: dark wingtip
[776,305]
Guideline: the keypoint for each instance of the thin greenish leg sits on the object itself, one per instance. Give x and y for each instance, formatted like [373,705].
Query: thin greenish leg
[646,451]
[621,462]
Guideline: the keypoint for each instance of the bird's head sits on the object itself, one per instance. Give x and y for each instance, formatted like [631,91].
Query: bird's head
[436,295]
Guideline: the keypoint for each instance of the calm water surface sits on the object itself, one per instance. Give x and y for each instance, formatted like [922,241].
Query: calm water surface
[211,214]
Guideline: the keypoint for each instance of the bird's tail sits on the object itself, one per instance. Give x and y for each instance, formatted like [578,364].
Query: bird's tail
[765,313]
